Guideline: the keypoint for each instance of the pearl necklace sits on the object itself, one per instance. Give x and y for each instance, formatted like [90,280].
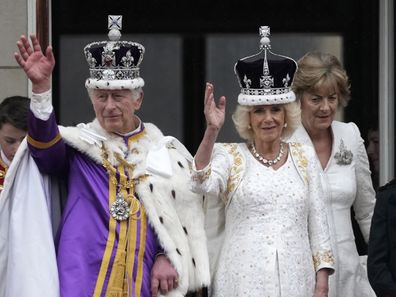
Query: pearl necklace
[264,160]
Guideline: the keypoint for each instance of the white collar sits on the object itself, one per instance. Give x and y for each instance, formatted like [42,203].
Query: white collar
[138,129]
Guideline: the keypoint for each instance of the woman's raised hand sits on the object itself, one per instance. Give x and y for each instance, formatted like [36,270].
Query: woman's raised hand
[214,114]
[37,66]
[214,121]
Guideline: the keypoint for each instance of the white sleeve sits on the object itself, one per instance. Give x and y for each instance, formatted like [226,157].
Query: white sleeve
[318,225]
[365,195]
[213,178]
[41,105]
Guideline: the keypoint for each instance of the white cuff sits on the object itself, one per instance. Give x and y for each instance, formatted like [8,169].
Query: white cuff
[201,175]
[41,105]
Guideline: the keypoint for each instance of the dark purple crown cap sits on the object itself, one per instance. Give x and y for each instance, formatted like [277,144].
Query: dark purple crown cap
[114,64]
[264,80]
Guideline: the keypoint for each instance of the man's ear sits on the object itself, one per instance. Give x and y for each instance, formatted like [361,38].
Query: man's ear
[138,101]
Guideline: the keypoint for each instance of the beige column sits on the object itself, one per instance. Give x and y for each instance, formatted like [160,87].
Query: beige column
[13,23]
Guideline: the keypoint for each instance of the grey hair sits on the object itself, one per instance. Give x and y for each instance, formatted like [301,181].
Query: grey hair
[241,119]
[136,93]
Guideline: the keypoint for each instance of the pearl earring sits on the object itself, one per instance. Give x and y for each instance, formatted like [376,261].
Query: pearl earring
[285,125]
[249,127]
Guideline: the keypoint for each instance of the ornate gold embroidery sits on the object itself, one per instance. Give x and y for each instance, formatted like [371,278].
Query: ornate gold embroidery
[323,257]
[202,176]
[300,158]
[236,169]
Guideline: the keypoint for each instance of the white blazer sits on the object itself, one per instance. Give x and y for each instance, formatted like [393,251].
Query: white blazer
[346,181]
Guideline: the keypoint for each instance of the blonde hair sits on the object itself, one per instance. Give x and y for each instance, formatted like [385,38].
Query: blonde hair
[241,119]
[316,70]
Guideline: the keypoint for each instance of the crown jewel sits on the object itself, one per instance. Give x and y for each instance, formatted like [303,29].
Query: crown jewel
[265,77]
[114,25]
[114,64]
[265,42]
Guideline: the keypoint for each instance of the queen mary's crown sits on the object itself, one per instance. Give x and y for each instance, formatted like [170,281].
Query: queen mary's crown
[114,64]
[265,77]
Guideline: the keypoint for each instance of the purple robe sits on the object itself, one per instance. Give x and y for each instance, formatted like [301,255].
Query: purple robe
[92,247]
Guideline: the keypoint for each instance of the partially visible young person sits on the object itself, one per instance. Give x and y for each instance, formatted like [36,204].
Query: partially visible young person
[13,129]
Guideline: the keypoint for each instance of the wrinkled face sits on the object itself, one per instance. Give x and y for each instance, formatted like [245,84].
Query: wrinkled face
[318,108]
[10,139]
[115,109]
[373,148]
[267,122]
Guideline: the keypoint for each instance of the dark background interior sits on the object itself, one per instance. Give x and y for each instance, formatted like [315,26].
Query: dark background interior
[355,20]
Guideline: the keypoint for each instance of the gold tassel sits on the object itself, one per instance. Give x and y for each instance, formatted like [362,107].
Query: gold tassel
[115,293]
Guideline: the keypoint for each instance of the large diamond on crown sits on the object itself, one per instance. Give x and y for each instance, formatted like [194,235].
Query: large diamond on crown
[108,74]
[108,57]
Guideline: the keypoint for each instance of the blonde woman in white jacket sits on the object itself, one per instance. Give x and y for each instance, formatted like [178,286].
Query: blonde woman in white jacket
[321,85]
[266,224]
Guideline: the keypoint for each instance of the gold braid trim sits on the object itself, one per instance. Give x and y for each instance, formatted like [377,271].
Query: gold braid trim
[109,244]
[142,247]
[122,269]
[116,281]
[43,145]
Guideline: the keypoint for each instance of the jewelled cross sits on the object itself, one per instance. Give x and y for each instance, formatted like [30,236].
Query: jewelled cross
[115,22]
[264,31]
